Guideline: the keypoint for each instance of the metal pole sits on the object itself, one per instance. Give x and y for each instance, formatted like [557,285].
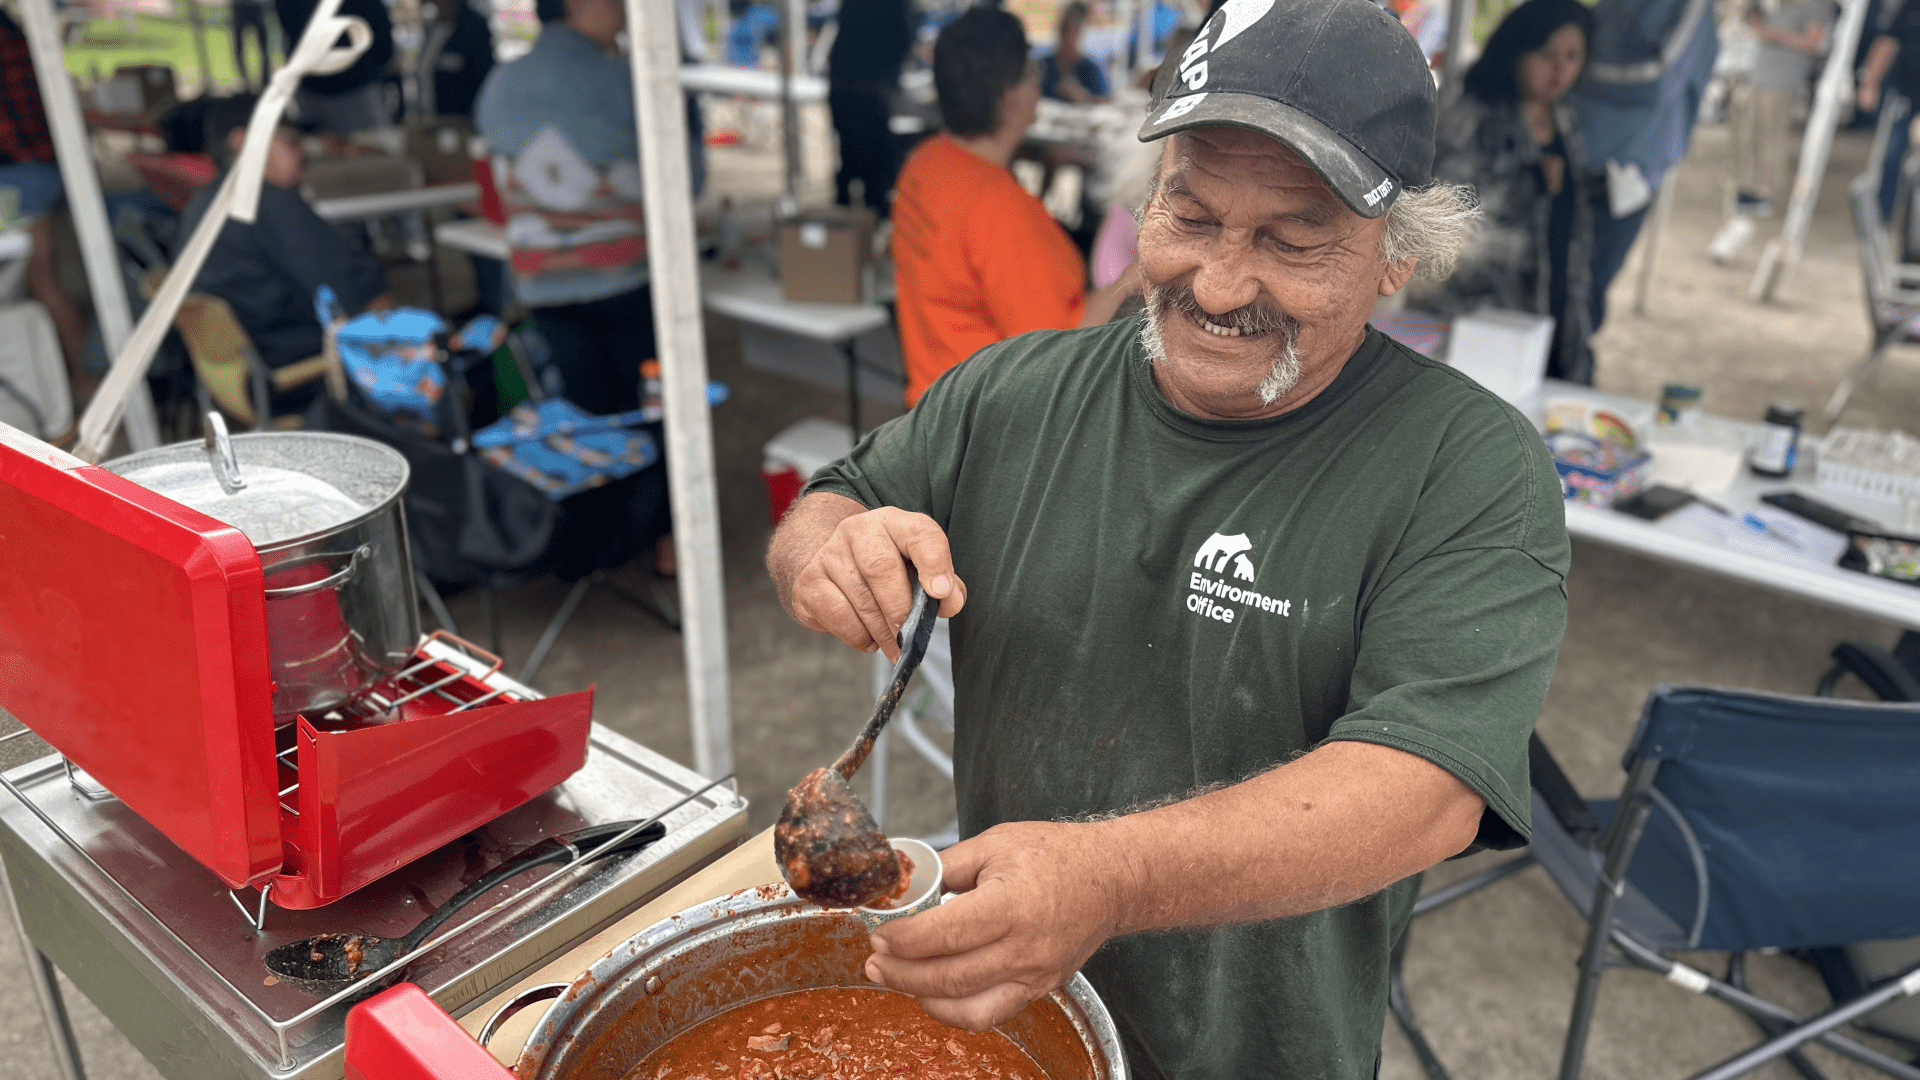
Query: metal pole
[53,1007]
[1650,252]
[1460,16]
[1782,254]
[793,44]
[1142,40]
[89,207]
[671,256]
[199,25]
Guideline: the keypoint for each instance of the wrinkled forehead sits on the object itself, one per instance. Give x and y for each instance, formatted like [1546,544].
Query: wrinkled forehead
[1248,162]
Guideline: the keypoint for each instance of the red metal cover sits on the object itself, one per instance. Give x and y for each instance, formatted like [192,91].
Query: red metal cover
[133,638]
[378,797]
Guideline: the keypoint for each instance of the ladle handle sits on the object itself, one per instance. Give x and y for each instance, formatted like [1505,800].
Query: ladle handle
[914,635]
[591,841]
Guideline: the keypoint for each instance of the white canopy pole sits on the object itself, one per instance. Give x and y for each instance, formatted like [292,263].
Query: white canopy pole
[793,53]
[1460,16]
[667,187]
[1782,254]
[89,207]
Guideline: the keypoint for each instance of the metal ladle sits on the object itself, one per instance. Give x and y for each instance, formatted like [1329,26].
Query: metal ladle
[830,849]
[325,965]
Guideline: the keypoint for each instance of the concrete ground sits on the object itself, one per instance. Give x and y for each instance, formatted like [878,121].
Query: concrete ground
[1490,976]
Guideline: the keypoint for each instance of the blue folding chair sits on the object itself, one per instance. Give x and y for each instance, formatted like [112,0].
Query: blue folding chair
[1751,821]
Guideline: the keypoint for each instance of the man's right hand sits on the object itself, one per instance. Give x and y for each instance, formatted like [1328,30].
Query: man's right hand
[854,584]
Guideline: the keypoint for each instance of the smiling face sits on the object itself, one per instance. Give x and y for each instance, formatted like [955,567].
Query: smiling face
[1260,279]
[1548,72]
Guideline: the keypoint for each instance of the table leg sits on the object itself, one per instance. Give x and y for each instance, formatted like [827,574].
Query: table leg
[853,388]
[46,987]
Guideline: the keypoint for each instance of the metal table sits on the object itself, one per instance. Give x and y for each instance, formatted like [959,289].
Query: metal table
[161,947]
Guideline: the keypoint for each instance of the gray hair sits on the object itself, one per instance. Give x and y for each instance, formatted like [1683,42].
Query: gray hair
[1431,224]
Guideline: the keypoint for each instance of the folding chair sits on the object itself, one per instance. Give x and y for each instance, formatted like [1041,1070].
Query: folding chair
[1893,289]
[1748,821]
[230,372]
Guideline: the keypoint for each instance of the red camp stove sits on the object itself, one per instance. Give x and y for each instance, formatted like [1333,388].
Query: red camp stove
[134,639]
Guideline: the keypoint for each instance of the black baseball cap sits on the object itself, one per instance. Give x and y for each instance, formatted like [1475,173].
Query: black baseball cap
[1340,82]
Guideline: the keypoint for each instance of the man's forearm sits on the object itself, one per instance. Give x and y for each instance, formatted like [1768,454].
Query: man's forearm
[1336,825]
[806,528]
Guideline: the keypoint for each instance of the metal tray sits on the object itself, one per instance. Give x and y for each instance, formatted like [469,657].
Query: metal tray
[161,947]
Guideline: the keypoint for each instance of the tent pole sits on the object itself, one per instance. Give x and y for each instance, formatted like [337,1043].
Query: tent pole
[1650,246]
[1782,254]
[89,208]
[1460,16]
[793,51]
[197,20]
[667,186]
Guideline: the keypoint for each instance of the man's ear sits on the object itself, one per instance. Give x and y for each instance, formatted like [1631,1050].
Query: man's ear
[1396,276]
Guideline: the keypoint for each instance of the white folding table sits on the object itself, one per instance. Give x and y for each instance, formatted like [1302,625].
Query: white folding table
[753,296]
[1830,585]
[749,295]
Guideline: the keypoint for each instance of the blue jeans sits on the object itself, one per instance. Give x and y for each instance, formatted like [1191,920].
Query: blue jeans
[1612,239]
[1897,142]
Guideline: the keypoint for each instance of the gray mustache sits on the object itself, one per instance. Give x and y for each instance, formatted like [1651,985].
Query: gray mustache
[1249,319]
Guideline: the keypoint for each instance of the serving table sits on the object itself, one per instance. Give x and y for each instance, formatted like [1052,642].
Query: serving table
[174,960]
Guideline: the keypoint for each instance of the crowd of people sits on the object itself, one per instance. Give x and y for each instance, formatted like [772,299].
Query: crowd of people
[1564,127]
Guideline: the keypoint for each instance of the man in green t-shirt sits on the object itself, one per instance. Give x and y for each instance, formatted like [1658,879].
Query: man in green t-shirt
[1252,608]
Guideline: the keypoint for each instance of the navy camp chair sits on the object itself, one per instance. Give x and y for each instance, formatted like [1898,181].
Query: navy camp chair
[1748,821]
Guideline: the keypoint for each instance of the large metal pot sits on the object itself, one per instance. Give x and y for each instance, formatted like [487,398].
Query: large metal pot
[744,947]
[324,513]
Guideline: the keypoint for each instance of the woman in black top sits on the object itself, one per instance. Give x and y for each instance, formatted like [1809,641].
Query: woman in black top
[1509,135]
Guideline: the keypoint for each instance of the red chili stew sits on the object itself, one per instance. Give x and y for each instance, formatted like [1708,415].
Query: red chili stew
[842,1033]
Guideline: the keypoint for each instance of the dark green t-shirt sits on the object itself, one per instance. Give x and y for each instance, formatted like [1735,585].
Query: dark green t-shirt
[1158,602]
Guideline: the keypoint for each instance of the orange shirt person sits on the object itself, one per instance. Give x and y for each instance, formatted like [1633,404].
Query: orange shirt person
[977,259]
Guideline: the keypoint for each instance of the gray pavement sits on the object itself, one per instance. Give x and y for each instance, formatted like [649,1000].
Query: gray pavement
[1491,976]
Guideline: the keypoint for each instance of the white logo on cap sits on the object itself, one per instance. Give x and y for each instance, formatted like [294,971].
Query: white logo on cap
[1373,197]
[1180,107]
[1238,15]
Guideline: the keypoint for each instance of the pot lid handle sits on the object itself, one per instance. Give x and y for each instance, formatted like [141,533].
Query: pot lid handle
[226,467]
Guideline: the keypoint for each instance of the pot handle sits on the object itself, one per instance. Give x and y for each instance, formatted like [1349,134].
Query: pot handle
[524,998]
[338,577]
[226,468]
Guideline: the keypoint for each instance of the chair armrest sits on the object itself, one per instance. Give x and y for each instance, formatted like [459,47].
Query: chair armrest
[1883,673]
[1568,808]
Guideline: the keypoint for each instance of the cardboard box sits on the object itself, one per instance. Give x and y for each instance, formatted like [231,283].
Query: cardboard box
[1504,351]
[823,255]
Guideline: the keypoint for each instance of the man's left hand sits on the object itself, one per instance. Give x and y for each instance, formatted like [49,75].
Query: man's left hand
[1036,899]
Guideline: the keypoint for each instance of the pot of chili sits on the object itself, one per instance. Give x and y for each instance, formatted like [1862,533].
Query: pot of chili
[761,983]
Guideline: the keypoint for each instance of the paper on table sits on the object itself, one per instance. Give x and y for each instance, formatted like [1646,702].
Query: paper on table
[1691,466]
[1766,531]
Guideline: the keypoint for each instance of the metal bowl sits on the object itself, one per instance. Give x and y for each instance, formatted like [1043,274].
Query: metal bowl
[752,945]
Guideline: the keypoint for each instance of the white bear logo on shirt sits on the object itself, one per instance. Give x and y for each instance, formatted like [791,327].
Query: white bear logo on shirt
[1218,550]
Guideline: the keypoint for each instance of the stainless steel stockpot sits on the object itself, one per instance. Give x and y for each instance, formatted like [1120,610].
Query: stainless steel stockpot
[324,513]
[744,947]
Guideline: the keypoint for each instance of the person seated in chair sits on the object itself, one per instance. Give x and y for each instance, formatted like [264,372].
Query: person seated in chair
[269,271]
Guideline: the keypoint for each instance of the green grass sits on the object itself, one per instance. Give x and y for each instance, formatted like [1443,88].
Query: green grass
[156,40]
